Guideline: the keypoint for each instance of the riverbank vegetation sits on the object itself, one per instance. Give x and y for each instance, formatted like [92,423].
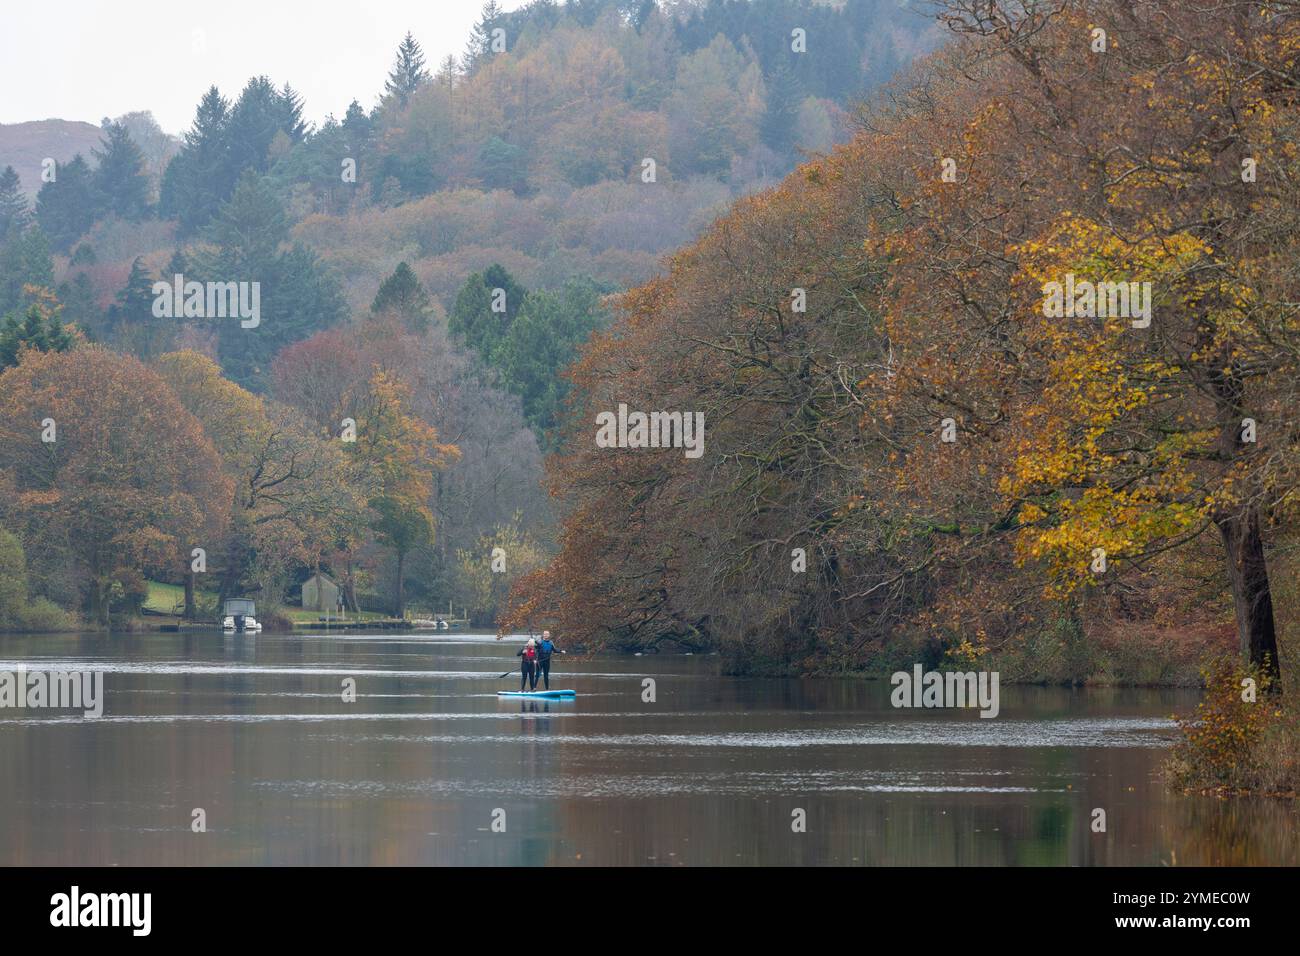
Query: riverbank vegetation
[116,469]
[1240,739]
[906,443]
[377,240]
[19,610]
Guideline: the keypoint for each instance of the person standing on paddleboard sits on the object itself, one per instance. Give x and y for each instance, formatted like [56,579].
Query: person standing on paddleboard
[528,666]
[544,652]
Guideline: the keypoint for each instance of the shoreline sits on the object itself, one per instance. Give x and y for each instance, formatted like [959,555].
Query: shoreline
[1183,678]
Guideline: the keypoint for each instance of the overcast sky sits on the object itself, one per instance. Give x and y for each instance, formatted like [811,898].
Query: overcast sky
[84,60]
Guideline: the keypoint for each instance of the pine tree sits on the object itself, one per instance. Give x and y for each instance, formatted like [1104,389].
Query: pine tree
[249,230]
[131,317]
[176,265]
[408,73]
[480,35]
[503,165]
[298,295]
[357,129]
[14,212]
[401,294]
[39,329]
[783,99]
[80,304]
[120,180]
[199,177]
[258,115]
[134,301]
[24,261]
[543,340]
[357,126]
[65,207]
[291,120]
[472,318]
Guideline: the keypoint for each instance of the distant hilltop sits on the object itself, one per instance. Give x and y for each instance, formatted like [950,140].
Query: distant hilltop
[24,145]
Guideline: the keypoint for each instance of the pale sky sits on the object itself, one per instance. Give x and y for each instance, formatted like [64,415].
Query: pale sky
[87,59]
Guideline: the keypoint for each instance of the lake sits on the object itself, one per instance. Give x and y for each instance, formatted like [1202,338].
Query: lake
[428,764]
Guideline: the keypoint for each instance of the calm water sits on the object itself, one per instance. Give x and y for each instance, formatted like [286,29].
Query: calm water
[255,732]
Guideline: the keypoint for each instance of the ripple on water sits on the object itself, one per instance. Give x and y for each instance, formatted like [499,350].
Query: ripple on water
[1083,732]
[659,784]
[1076,732]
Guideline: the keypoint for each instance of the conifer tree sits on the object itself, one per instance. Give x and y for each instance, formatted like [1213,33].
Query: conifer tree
[65,206]
[199,178]
[401,294]
[408,73]
[120,180]
[14,213]
[480,35]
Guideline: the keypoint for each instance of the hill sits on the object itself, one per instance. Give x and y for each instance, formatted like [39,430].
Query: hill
[24,146]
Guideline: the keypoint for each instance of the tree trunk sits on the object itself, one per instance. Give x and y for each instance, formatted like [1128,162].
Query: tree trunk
[351,588]
[1250,589]
[1247,570]
[190,610]
[100,592]
[401,584]
[100,598]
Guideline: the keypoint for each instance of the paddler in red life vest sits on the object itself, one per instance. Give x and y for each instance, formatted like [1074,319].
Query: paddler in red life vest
[528,666]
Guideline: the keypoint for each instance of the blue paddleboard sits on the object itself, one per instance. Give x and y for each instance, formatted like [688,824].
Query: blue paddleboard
[537,693]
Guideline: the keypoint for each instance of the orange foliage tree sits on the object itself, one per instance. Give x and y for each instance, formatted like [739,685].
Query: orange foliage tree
[104,470]
[941,434]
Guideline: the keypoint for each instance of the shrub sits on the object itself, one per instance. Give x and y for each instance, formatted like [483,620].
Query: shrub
[43,615]
[13,578]
[17,612]
[1237,740]
[276,619]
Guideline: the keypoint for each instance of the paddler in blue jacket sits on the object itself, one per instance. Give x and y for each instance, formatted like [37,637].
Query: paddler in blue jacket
[544,651]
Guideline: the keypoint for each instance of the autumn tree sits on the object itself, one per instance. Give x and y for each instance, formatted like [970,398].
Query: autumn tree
[292,500]
[104,468]
[1122,425]
[948,446]
[487,571]
[396,454]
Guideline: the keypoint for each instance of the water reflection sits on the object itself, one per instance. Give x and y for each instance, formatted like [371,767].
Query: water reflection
[257,733]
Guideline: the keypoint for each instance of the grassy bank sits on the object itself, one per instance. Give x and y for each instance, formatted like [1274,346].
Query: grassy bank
[170,599]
